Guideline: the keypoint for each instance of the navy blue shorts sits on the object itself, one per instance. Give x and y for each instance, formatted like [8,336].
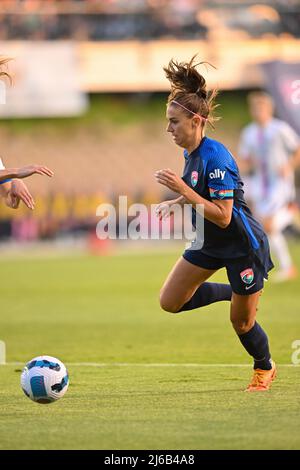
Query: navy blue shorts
[245,274]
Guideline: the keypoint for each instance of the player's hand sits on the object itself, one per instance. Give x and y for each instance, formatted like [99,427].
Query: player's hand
[172,181]
[162,210]
[19,192]
[26,171]
[12,201]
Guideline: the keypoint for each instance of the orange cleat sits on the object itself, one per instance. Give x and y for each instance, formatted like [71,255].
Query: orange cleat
[262,379]
[285,274]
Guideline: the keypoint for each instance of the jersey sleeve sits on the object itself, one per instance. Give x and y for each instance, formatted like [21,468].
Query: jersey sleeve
[290,138]
[222,174]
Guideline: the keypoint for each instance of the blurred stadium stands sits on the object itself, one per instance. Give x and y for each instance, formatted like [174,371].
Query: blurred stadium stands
[93,164]
[143,19]
[119,46]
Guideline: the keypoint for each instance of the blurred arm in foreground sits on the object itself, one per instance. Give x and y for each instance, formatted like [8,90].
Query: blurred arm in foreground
[14,190]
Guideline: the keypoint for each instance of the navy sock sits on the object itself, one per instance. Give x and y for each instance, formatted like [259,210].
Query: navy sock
[255,341]
[208,293]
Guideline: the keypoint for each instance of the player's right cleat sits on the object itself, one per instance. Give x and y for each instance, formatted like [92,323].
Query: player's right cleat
[262,379]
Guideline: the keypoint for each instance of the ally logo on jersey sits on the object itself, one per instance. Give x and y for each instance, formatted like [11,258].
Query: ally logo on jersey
[217,173]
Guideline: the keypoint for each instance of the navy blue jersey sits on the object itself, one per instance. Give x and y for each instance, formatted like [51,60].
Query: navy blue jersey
[211,171]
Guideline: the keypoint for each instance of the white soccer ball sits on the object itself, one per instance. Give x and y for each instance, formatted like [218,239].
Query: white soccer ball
[44,379]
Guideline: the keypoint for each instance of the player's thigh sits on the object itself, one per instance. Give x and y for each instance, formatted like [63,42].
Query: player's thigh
[266,210]
[243,311]
[181,284]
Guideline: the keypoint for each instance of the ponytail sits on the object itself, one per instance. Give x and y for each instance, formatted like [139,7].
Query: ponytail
[188,89]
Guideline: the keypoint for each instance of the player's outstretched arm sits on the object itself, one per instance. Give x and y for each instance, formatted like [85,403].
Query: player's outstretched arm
[19,192]
[24,172]
[15,191]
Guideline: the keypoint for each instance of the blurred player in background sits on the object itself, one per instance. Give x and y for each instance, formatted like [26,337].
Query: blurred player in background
[269,151]
[12,189]
[232,237]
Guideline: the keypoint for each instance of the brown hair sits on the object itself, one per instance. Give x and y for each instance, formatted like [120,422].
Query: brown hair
[188,88]
[3,61]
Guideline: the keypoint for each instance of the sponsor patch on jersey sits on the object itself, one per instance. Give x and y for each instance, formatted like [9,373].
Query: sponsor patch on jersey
[217,173]
[247,275]
[220,193]
[194,178]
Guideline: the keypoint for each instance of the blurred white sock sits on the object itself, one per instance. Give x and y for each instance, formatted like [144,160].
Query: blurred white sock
[280,248]
[282,219]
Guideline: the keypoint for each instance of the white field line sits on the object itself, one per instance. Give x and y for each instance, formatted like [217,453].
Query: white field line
[159,364]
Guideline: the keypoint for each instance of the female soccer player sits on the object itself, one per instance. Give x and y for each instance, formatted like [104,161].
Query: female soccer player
[232,237]
[11,188]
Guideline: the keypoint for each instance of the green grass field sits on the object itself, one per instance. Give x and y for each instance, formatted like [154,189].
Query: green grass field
[104,310]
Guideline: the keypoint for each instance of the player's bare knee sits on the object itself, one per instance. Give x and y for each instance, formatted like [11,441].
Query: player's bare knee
[169,307]
[167,304]
[242,326]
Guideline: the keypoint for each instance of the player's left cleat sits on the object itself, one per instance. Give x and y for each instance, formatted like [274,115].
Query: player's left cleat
[285,274]
[262,379]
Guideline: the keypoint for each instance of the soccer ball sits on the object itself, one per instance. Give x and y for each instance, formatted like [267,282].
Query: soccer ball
[44,379]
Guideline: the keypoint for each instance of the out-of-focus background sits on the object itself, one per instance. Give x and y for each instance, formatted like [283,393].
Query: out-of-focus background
[88,95]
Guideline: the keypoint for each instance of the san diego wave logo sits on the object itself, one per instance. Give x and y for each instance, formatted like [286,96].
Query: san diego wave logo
[194,178]
[247,276]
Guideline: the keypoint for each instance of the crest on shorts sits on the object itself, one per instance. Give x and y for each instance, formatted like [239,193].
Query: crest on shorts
[247,275]
[194,178]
